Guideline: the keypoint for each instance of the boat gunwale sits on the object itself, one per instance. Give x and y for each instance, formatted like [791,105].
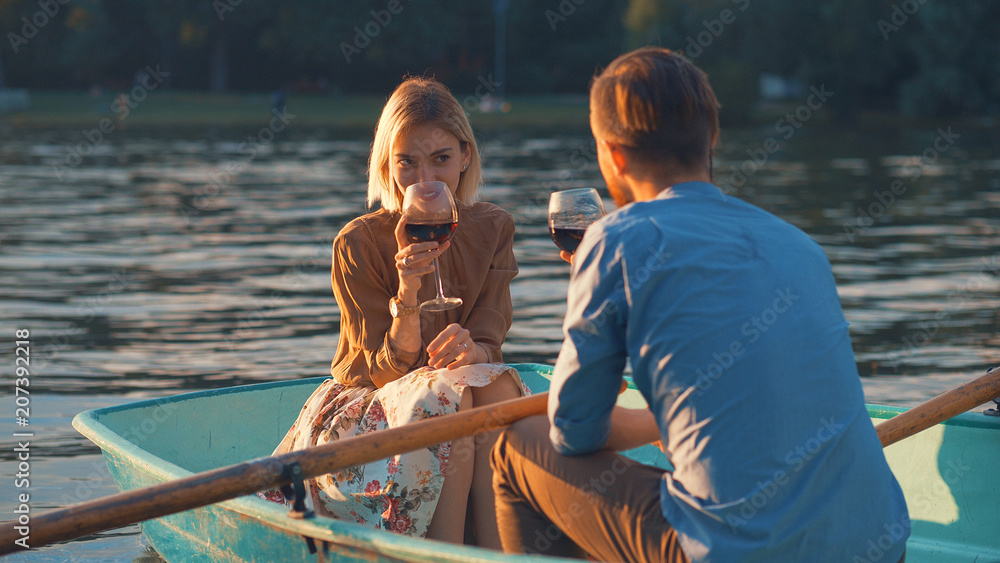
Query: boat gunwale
[878,411]
[968,419]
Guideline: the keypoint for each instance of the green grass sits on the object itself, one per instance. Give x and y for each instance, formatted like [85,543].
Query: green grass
[253,110]
[193,109]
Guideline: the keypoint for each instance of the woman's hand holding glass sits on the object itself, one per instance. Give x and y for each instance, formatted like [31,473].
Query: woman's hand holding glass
[414,261]
[431,215]
[453,347]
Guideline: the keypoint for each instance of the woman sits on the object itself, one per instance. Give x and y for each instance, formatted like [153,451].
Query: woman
[396,365]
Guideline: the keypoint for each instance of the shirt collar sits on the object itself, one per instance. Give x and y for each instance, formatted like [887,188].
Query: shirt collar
[690,188]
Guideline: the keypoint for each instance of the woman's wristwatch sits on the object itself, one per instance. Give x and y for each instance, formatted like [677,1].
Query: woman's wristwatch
[399,311]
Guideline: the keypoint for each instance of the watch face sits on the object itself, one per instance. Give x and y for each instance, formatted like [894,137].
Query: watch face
[398,310]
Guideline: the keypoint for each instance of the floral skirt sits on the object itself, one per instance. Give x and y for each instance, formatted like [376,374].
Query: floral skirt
[399,493]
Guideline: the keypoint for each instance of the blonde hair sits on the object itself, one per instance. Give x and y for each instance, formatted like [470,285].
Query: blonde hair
[419,101]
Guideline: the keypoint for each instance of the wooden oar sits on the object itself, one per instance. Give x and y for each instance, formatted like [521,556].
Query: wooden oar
[946,405]
[250,477]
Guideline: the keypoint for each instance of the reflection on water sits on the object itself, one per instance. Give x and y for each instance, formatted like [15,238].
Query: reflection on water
[174,262]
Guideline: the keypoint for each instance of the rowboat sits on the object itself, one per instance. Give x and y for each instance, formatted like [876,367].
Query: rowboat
[948,474]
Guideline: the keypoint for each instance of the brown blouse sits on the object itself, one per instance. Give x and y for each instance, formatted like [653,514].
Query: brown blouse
[478,267]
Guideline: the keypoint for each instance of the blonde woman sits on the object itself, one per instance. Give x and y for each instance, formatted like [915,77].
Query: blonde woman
[396,365]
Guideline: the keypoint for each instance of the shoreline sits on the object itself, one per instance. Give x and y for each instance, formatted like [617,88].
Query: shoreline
[189,109]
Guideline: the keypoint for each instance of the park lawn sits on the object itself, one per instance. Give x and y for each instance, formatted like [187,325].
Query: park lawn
[193,109]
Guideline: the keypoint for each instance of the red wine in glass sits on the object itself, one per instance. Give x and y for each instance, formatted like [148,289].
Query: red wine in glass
[437,232]
[567,238]
[431,215]
[570,213]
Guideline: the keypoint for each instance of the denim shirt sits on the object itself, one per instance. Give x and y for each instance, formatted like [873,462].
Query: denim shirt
[731,321]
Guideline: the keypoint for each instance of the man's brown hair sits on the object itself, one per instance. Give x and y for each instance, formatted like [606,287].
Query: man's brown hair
[656,103]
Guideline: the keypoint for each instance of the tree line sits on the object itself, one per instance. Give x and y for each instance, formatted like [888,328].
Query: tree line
[918,57]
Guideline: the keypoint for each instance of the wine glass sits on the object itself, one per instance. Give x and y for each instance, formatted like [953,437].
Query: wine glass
[570,213]
[431,215]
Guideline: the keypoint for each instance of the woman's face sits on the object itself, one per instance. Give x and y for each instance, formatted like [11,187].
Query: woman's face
[427,153]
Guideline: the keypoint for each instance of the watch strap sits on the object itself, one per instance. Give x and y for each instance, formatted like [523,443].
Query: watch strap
[399,310]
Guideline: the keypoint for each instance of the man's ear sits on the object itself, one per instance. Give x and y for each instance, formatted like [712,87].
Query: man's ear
[618,157]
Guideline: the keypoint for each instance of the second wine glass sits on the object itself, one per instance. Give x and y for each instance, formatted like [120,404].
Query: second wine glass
[570,213]
[431,215]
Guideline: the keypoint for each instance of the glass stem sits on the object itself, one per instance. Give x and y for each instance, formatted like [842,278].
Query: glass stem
[437,278]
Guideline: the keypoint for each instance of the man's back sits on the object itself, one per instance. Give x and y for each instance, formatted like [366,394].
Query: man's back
[732,323]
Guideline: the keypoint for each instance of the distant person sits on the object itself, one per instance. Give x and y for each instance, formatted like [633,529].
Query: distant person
[278,101]
[120,107]
[732,323]
[395,364]
[140,78]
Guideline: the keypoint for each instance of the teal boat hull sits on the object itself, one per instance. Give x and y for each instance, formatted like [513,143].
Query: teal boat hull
[948,474]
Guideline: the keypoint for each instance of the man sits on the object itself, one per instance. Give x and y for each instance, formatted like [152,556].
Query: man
[731,320]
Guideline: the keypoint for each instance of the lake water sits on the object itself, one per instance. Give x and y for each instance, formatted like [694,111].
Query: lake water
[166,261]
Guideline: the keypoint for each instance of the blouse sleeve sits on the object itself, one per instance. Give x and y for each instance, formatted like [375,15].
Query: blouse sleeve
[493,314]
[362,293]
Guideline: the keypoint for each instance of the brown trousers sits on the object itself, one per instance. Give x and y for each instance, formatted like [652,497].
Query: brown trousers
[604,506]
